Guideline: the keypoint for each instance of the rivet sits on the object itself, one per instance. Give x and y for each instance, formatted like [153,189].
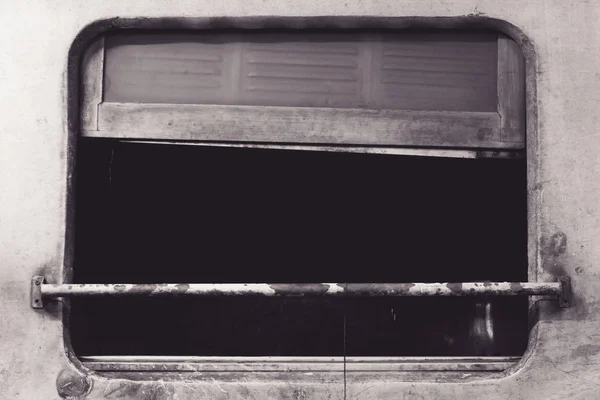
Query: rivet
[71,383]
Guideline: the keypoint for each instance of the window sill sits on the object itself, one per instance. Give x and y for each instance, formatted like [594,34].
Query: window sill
[294,364]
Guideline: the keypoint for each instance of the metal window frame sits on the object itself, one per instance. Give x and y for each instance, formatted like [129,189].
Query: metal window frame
[91,103]
[502,131]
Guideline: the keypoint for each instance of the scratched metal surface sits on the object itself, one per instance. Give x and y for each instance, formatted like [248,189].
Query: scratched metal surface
[563,142]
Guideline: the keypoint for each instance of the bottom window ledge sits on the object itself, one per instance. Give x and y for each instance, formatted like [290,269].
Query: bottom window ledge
[295,364]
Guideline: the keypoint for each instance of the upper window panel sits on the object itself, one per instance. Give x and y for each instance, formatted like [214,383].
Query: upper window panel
[436,89]
[406,71]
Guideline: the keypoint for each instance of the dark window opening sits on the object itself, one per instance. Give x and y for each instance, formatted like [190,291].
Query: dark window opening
[152,213]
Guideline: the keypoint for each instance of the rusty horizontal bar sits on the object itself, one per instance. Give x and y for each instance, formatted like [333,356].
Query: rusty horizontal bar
[41,290]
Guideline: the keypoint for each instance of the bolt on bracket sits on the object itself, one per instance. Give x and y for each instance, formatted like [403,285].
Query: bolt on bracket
[37,300]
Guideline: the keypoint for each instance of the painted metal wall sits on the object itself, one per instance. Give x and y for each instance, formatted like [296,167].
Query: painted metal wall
[564,359]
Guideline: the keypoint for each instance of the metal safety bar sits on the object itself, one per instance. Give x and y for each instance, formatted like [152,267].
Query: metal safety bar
[40,290]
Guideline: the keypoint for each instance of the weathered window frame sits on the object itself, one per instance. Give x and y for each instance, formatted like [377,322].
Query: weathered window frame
[484,133]
[500,130]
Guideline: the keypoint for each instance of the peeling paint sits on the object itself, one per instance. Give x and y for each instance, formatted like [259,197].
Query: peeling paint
[336,288]
[48,291]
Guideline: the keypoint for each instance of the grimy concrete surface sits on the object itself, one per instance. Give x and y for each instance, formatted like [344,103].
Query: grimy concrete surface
[563,144]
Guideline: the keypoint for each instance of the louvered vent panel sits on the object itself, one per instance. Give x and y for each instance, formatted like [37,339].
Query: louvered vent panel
[311,70]
[449,73]
[168,69]
[441,72]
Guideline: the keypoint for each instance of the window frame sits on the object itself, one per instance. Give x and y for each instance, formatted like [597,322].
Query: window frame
[504,131]
[500,130]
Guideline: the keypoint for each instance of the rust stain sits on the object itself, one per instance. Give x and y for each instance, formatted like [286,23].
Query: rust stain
[300,394]
[160,391]
[377,289]
[127,390]
[552,249]
[516,287]
[299,289]
[585,350]
[150,287]
[454,287]
[558,243]
[484,133]
[404,288]
[182,287]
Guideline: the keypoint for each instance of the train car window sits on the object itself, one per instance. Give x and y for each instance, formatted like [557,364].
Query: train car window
[297,157]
